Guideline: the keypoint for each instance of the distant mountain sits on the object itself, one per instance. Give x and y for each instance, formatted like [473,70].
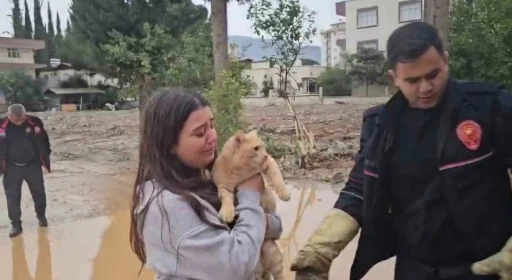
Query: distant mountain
[255,49]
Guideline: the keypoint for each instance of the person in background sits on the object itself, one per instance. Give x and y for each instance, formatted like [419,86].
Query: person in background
[175,229]
[430,184]
[24,150]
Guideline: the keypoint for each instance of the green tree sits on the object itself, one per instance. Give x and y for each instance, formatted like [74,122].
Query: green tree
[39,33]
[17,20]
[367,66]
[226,104]
[68,27]
[289,27]
[58,37]
[28,23]
[116,28]
[19,87]
[142,60]
[59,28]
[193,66]
[50,35]
[480,40]
[77,51]
[335,82]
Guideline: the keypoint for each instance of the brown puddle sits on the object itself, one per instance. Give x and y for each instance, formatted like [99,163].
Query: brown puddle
[99,248]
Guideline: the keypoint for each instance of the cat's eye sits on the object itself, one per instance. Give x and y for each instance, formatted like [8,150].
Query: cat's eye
[256,148]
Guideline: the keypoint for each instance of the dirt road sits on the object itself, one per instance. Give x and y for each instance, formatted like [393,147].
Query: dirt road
[88,193]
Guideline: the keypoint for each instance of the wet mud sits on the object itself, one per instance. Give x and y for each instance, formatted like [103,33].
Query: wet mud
[98,248]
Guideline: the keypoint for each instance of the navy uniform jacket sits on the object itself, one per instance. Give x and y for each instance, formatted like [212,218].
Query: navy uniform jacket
[473,178]
[41,141]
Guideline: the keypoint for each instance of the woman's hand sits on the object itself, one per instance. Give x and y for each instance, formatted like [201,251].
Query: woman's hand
[254,183]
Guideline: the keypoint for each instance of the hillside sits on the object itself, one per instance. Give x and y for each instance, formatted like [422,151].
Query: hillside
[255,49]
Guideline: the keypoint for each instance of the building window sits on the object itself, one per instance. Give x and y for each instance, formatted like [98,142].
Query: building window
[13,53]
[372,44]
[367,17]
[410,11]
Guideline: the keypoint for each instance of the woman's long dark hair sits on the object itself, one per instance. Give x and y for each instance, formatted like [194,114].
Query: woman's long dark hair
[162,121]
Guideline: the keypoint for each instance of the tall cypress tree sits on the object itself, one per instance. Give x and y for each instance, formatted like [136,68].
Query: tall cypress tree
[59,31]
[58,41]
[28,23]
[17,20]
[68,27]
[39,33]
[50,35]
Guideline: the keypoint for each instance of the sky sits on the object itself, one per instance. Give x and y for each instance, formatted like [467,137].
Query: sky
[237,22]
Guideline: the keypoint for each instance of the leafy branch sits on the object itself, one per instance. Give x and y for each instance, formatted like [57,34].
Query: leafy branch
[288,27]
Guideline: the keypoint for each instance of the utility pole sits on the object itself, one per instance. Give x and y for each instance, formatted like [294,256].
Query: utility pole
[437,13]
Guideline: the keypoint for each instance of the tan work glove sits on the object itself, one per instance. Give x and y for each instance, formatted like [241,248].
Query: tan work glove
[335,232]
[497,264]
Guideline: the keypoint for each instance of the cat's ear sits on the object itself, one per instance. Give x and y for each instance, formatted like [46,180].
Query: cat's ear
[239,137]
[253,132]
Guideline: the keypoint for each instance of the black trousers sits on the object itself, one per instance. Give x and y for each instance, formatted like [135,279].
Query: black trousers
[13,180]
[407,269]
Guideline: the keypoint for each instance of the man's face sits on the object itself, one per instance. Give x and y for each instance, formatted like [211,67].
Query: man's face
[17,119]
[424,80]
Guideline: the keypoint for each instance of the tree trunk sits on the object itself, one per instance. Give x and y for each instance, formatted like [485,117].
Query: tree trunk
[437,13]
[220,38]
[146,87]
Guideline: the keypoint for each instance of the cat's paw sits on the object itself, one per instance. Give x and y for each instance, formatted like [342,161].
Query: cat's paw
[227,214]
[285,195]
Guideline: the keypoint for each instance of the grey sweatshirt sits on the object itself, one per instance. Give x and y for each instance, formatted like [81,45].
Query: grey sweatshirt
[180,246]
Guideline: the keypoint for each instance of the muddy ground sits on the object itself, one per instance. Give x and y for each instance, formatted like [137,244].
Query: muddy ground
[94,161]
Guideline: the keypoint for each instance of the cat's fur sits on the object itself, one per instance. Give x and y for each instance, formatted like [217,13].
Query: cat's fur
[243,156]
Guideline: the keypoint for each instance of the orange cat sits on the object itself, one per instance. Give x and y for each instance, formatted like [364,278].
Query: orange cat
[243,156]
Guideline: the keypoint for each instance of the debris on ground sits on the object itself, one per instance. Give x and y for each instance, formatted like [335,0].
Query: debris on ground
[111,137]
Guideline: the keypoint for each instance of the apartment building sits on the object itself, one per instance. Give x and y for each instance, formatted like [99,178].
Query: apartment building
[302,79]
[333,45]
[370,22]
[16,53]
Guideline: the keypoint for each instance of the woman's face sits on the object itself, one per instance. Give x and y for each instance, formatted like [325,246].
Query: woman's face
[197,140]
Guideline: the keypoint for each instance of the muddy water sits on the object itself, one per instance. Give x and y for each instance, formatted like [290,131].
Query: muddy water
[98,248]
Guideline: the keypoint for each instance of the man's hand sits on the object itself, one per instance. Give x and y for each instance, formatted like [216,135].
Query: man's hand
[45,172]
[335,232]
[497,264]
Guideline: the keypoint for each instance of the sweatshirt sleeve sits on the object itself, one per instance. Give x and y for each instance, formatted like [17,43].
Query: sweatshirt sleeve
[274,228]
[209,253]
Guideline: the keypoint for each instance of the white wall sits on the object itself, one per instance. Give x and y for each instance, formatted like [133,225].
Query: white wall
[388,12]
[261,71]
[331,53]
[54,78]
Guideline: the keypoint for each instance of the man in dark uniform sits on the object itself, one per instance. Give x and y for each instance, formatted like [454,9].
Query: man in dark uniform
[430,183]
[24,149]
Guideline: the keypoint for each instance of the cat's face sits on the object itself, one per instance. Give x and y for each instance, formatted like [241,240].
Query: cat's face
[249,150]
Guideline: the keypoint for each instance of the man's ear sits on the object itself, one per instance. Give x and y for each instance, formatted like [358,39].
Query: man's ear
[392,76]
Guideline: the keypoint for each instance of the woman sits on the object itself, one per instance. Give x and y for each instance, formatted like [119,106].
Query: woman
[175,230]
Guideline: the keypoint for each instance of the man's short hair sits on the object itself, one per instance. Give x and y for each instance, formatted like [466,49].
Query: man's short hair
[408,42]
[16,110]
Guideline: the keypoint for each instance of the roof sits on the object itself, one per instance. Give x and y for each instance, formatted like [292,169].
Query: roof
[63,91]
[21,43]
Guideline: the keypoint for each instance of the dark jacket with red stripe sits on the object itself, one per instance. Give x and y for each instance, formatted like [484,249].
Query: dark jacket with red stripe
[41,141]
[475,183]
